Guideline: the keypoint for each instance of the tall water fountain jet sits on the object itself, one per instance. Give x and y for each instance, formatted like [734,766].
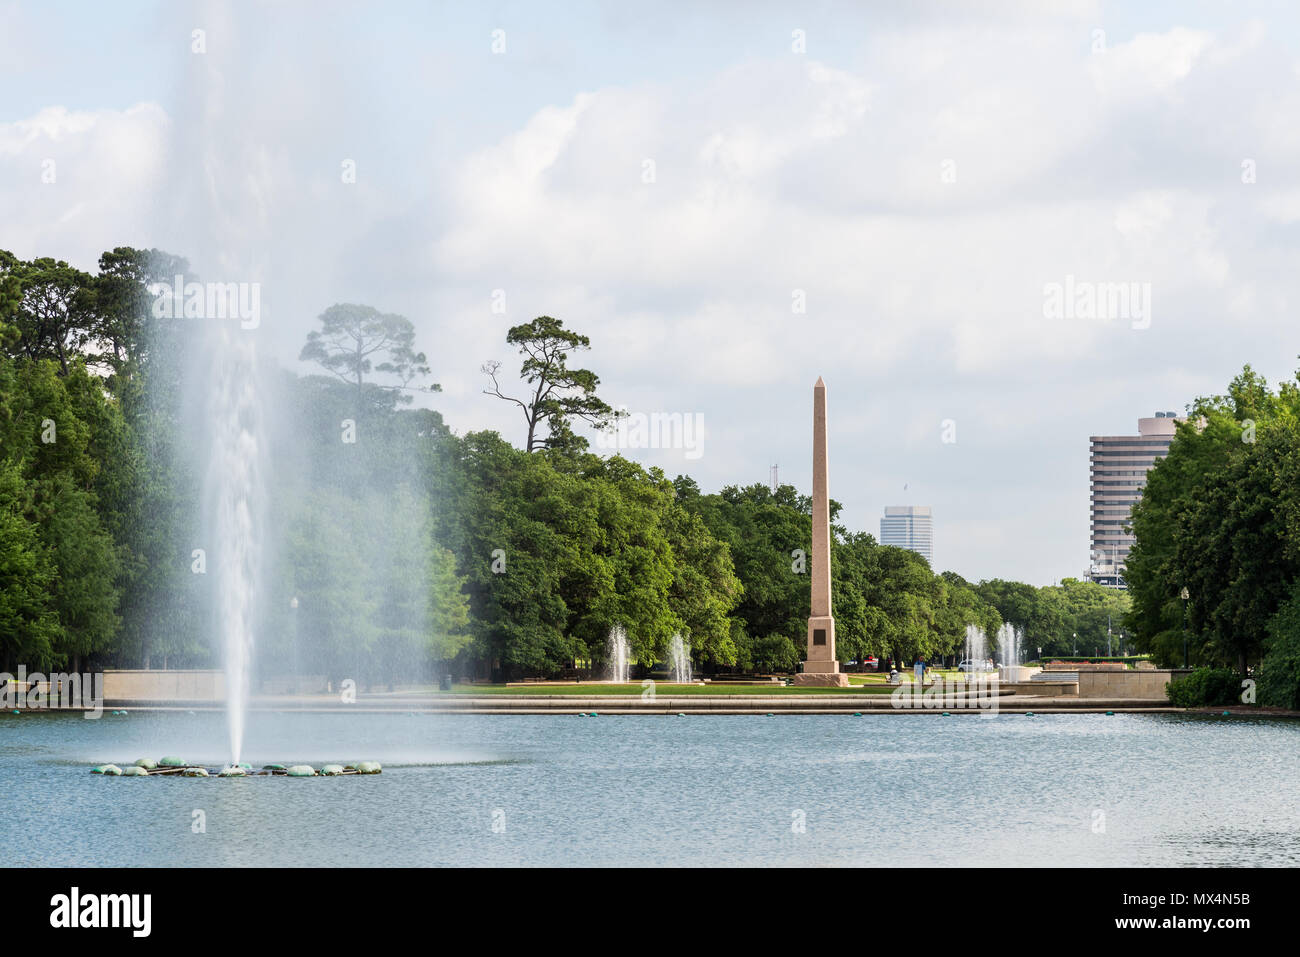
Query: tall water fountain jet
[1010,639]
[1009,645]
[976,648]
[679,660]
[617,650]
[235,484]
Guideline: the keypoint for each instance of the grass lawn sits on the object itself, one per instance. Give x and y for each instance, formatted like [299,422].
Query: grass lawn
[661,689]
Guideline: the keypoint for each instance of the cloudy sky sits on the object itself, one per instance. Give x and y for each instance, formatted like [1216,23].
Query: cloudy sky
[730,199]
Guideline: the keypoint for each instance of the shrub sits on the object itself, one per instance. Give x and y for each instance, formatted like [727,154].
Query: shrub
[1279,672]
[775,653]
[1205,686]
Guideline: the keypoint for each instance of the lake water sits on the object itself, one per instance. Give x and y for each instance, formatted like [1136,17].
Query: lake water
[1142,790]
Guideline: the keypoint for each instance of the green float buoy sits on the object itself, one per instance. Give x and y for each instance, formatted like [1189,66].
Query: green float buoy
[592,715]
[332,769]
[947,715]
[171,762]
[112,770]
[195,773]
[1029,714]
[273,767]
[1226,713]
[134,771]
[857,714]
[301,771]
[1110,713]
[234,771]
[147,763]
[681,714]
[369,767]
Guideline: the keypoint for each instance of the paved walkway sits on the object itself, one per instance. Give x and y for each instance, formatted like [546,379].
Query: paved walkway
[827,703]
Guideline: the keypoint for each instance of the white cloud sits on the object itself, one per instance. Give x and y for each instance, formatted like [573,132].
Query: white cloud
[1150,63]
[79,182]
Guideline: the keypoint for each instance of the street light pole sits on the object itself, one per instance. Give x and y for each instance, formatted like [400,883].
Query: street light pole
[293,615]
[1184,596]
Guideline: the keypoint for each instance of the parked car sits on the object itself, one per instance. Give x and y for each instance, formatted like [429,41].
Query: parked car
[971,665]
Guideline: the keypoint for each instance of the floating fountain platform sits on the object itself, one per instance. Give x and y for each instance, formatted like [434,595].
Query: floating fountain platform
[174,767]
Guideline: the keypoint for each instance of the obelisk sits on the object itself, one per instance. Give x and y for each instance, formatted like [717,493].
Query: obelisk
[820,666]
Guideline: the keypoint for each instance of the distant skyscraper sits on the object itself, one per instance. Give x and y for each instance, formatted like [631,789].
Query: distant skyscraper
[908,526]
[1118,472]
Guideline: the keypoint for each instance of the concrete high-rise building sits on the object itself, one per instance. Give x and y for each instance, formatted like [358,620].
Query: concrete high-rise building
[908,526]
[1117,473]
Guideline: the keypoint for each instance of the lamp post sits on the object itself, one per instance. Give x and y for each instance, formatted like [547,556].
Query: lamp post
[293,607]
[1184,596]
[1075,636]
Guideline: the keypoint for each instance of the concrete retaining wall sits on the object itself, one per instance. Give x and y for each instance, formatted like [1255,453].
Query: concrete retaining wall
[1126,684]
[164,686]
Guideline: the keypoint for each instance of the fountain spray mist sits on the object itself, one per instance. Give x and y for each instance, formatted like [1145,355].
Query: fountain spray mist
[976,648]
[679,659]
[617,650]
[235,484]
[1009,640]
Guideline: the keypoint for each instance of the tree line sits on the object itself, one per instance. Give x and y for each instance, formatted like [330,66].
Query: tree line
[409,549]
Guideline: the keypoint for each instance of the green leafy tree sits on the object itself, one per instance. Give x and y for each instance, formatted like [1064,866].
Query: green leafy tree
[355,341]
[1037,612]
[446,633]
[507,505]
[557,396]
[1279,671]
[121,297]
[959,607]
[29,626]
[704,587]
[48,303]
[768,537]
[47,440]
[1214,519]
[1086,609]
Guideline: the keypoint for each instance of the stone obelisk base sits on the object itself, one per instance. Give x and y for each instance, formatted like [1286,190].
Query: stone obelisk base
[822,679]
[819,671]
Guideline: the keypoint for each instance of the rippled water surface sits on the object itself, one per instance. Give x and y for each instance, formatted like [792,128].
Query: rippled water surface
[663,791]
